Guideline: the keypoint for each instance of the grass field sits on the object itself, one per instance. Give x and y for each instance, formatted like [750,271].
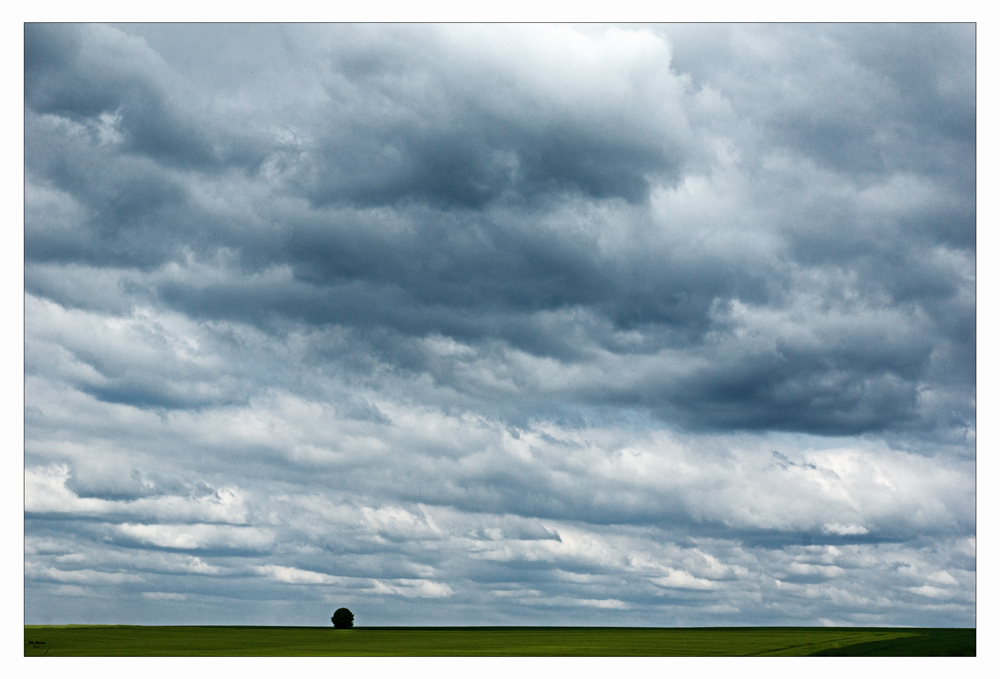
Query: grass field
[128,640]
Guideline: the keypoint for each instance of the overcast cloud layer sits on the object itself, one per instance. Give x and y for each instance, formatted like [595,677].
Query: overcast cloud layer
[666,325]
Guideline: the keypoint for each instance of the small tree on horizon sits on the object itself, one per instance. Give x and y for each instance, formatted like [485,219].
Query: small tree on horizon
[342,619]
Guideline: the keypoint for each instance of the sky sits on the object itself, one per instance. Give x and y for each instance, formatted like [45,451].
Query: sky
[654,325]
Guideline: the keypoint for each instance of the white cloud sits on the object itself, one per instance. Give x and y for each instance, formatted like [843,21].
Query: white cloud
[932,592]
[842,529]
[942,578]
[601,603]
[397,523]
[413,588]
[297,576]
[84,576]
[815,569]
[46,492]
[679,579]
[569,602]
[198,536]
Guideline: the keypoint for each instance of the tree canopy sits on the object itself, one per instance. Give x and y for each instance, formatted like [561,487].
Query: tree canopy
[342,619]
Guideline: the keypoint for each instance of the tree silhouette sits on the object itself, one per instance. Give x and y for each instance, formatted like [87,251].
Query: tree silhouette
[342,619]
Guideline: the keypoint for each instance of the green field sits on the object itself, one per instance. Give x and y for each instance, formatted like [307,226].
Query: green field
[128,640]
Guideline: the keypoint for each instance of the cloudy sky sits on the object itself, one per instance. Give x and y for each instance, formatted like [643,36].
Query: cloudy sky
[485,324]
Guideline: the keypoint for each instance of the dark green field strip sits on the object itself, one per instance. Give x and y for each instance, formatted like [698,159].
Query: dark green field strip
[792,642]
[115,640]
[933,642]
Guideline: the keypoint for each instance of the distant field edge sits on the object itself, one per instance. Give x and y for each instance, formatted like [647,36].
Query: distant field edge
[489,641]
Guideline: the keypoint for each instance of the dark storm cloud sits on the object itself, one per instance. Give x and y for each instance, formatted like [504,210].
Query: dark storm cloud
[458,145]
[82,72]
[417,119]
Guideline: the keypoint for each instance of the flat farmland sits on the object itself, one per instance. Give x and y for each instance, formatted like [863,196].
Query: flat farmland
[129,640]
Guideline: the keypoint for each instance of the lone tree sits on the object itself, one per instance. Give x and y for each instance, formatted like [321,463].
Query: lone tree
[342,619]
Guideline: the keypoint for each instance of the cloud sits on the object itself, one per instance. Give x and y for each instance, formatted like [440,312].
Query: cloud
[83,576]
[840,529]
[198,536]
[296,576]
[165,596]
[682,580]
[46,492]
[414,588]
[444,322]
[405,587]
[562,112]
